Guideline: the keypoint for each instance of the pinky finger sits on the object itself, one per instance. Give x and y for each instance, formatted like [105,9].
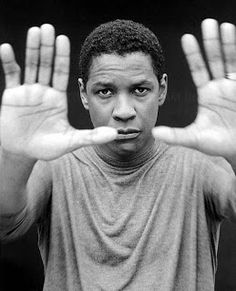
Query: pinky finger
[62,63]
[10,67]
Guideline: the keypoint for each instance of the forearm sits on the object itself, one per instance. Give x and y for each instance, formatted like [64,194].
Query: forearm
[14,174]
[232,162]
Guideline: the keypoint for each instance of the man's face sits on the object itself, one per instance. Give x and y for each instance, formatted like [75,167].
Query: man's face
[123,92]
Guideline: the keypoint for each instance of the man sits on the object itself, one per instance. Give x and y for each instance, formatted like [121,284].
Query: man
[129,212]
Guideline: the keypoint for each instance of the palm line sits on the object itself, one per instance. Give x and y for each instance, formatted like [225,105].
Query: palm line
[211,109]
[45,110]
[21,105]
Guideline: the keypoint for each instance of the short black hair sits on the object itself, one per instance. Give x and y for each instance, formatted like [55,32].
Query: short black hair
[121,37]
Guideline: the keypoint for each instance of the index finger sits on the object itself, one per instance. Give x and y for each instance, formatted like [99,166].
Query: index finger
[228,34]
[62,63]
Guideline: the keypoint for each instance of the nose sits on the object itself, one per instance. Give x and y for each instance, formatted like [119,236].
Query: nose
[123,109]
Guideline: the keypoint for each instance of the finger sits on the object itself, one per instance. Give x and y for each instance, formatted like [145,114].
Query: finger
[46,53]
[211,41]
[177,136]
[32,55]
[228,35]
[10,67]
[62,63]
[195,61]
[99,135]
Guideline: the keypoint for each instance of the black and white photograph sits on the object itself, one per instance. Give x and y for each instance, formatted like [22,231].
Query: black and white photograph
[117,145]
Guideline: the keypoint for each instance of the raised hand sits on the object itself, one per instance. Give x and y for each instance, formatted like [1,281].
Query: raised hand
[214,130]
[33,119]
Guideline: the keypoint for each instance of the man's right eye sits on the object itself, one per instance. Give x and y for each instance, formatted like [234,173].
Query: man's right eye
[104,93]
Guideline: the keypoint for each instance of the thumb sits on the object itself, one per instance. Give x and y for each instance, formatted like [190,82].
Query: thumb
[86,137]
[178,136]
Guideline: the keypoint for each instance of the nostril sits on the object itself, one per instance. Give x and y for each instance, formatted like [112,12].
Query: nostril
[123,117]
[124,114]
[124,109]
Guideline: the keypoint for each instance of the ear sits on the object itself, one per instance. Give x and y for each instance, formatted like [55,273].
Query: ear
[83,94]
[163,89]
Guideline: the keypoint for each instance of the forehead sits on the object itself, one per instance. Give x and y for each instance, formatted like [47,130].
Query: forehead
[130,66]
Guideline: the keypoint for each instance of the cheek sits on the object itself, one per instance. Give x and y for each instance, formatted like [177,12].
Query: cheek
[99,114]
[149,115]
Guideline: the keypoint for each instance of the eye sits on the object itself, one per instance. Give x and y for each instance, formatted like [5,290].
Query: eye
[141,91]
[104,93]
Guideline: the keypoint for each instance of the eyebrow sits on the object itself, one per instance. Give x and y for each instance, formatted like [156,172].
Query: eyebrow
[142,82]
[103,84]
[111,84]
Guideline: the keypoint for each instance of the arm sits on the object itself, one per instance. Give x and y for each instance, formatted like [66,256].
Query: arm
[27,203]
[219,188]
[14,174]
[214,129]
[33,122]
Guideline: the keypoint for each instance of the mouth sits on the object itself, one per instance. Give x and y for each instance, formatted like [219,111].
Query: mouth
[127,133]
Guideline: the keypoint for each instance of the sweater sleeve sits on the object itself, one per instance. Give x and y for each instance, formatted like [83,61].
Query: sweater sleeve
[39,187]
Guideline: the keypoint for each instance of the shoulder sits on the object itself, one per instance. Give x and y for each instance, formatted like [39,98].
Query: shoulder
[197,159]
[83,153]
[184,154]
[74,160]
[80,154]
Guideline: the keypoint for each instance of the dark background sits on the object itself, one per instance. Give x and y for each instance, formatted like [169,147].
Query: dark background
[21,266]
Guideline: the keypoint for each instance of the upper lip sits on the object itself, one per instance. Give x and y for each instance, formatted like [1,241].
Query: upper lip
[128,130]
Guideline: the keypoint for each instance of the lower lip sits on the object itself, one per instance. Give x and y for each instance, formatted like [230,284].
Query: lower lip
[127,136]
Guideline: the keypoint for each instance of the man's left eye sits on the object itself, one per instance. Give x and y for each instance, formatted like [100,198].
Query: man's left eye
[140,91]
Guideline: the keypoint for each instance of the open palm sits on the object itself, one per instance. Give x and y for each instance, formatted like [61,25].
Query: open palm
[214,129]
[33,118]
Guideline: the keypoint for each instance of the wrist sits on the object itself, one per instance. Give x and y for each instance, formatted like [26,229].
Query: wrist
[232,162]
[17,158]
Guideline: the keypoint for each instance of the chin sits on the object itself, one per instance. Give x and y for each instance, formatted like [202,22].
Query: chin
[126,149]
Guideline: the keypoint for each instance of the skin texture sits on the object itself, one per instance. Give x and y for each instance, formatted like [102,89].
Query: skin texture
[34,121]
[123,92]
[214,130]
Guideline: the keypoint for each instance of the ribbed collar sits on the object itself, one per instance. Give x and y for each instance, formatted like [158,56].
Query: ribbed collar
[135,161]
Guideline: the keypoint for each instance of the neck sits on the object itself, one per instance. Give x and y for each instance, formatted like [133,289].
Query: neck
[126,158]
